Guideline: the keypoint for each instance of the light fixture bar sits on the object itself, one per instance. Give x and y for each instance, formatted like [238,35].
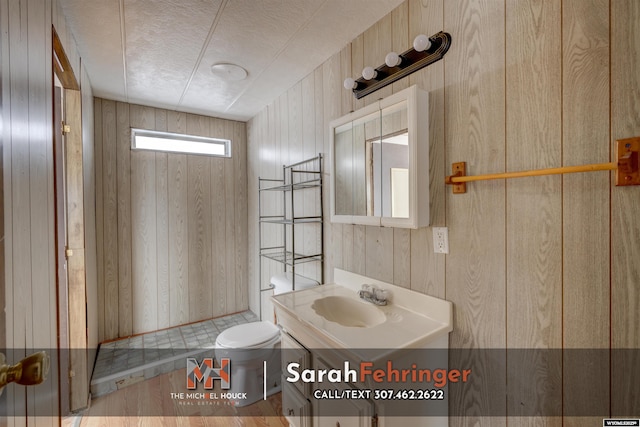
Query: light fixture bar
[412,61]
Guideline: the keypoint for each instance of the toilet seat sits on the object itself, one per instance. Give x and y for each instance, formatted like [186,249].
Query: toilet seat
[249,335]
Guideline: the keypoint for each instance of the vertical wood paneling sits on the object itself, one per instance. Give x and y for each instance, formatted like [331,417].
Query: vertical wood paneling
[199,223]
[11,331]
[379,253]
[474,130]
[145,292]
[343,233]
[428,268]
[178,240]
[229,248]
[162,227]
[174,204]
[359,249]
[322,239]
[309,202]
[585,128]
[40,181]
[401,262]
[97,140]
[331,110]
[625,231]
[20,191]
[254,141]
[125,291]
[138,208]
[221,254]
[110,229]
[238,134]
[295,149]
[294,107]
[533,211]
[178,233]
[91,261]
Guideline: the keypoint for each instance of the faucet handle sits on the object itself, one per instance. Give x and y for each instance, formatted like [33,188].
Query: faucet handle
[381,294]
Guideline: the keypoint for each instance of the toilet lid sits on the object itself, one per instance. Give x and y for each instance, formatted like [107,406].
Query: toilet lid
[248,335]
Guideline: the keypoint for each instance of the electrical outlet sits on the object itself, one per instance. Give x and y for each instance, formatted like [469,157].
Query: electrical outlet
[441,240]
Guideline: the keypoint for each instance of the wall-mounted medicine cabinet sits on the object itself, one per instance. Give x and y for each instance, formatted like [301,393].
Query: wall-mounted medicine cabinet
[380,163]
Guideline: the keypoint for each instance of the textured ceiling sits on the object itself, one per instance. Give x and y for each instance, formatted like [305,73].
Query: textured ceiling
[160,52]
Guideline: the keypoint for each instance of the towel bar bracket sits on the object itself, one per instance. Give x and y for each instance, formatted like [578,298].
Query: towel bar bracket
[627,172]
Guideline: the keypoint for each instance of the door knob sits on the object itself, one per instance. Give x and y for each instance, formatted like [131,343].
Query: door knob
[31,370]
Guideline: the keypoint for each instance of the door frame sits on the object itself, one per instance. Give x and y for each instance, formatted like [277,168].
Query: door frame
[70,239]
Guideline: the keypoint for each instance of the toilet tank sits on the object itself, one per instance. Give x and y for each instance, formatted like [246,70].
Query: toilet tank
[283,282]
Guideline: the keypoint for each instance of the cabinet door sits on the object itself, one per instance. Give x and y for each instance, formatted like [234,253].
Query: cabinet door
[296,409]
[294,352]
[341,412]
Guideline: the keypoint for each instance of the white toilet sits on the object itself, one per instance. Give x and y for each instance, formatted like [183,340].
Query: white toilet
[249,345]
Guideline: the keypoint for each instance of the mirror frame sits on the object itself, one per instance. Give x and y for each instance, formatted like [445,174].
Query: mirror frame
[417,102]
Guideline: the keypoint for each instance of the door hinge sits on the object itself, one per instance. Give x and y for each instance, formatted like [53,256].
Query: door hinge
[374,421]
[68,252]
[66,129]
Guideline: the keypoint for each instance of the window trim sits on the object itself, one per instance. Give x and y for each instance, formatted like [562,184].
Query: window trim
[181,137]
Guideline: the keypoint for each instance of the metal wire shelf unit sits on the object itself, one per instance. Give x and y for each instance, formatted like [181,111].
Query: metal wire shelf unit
[296,178]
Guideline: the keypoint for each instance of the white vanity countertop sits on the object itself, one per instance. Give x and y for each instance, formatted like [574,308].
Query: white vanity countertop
[413,320]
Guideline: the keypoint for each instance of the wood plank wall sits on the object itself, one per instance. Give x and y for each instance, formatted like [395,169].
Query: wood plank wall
[29,258]
[546,262]
[172,235]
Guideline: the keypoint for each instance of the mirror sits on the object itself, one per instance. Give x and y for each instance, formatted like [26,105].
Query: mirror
[373,150]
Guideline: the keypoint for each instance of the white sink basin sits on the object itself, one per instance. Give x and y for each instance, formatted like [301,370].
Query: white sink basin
[332,316]
[348,311]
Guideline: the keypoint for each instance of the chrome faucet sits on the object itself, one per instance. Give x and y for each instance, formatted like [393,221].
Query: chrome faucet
[374,294]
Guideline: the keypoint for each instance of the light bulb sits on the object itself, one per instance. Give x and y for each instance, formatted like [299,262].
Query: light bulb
[392,59]
[369,73]
[421,43]
[349,83]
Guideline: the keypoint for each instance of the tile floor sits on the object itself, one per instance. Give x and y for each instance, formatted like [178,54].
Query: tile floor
[130,360]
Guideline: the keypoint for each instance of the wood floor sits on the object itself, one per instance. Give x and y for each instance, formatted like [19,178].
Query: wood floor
[149,403]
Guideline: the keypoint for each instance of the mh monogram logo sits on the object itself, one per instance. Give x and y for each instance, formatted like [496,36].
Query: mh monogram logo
[206,372]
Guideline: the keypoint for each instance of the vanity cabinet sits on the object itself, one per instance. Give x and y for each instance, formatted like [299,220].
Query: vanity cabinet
[297,404]
[380,163]
[414,334]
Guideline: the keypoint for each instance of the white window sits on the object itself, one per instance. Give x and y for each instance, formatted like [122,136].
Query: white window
[142,139]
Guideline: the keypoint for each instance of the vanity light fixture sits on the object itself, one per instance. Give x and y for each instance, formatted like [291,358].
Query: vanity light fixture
[392,59]
[350,83]
[421,43]
[369,73]
[425,51]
